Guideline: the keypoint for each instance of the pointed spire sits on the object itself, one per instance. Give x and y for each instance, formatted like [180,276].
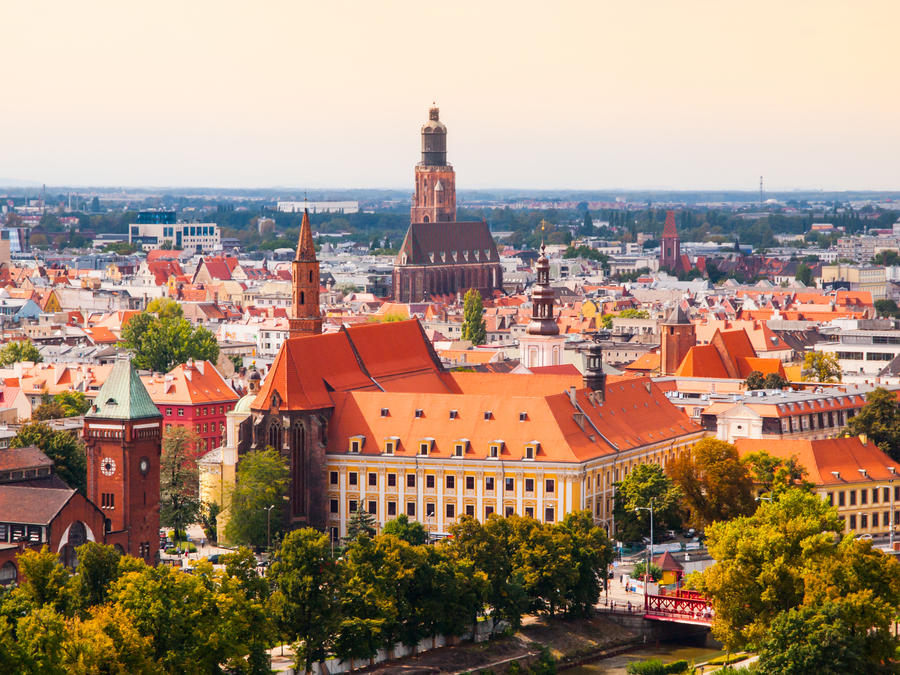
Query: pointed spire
[306,250]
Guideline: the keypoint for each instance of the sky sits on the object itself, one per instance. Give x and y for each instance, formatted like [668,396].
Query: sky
[633,94]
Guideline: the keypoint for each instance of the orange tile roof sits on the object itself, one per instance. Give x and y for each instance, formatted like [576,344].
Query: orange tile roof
[191,383]
[820,457]
[648,362]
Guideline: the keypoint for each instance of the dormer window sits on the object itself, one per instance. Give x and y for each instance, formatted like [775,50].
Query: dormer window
[454,414]
[460,447]
[357,443]
[390,444]
[488,415]
[425,446]
[495,448]
[523,416]
[385,412]
[420,412]
[531,449]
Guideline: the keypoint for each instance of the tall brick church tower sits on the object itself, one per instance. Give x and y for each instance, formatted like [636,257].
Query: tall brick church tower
[677,336]
[670,246]
[306,319]
[435,198]
[123,442]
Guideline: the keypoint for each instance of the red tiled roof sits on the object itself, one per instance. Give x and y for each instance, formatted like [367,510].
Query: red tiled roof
[23,458]
[32,505]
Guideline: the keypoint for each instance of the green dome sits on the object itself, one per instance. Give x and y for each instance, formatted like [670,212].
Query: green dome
[243,405]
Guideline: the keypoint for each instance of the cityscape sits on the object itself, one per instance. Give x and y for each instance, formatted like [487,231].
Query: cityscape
[570,355]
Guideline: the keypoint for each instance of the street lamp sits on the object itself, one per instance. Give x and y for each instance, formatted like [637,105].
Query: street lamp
[649,548]
[893,471]
[268,510]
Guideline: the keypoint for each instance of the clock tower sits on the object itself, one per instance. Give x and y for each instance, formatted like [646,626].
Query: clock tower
[123,442]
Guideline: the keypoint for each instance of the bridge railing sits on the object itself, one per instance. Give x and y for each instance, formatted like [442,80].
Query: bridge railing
[689,606]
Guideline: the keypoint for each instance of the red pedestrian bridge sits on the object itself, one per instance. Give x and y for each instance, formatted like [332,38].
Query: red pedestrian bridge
[681,606]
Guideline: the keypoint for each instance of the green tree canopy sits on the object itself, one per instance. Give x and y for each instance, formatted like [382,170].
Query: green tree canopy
[19,350]
[804,274]
[646,485]
[163,339]
[63,447]
[261,481]
[474,328]
[179,504]
[773,474]
[879,419]
[714,483]
[409,531]
[821,367]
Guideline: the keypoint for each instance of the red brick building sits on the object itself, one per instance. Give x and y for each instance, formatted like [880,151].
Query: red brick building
[196,396]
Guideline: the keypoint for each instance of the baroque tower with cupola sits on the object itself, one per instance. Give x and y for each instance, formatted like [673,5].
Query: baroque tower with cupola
[123,444]
[306,317]
[542,345]
[435,197]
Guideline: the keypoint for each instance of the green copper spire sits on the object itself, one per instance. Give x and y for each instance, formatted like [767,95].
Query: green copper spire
[123,395]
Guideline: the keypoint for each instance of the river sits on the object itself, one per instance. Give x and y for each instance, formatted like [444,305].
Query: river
[666,652]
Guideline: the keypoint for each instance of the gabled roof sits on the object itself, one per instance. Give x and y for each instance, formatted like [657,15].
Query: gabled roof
[30,457]
[448,244]
[192,383]
[32,505]
[123,396]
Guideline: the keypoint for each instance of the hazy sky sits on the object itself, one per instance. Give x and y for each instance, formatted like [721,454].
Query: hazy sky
[552,94]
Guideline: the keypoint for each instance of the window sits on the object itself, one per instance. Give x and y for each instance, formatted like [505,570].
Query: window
[831,499]
[333,478]
[548,514]
[886,497]
[529,452]
[352,506]
[459,449]
[470,482]
[392,508]
[356,443]
[451,482]
[897,493]
[508,511]
[221,409]
[429,481]
[181,412]
[333,505]
[529,511]
[841,498]
[529,485]
[488,414]
[489,483]
[454,414]
[385,412]
[107,500]
[864,496]
[373,479]
[470,510]
[389,447]
[420,412]
[411,509]
[424,446]
[372,507]
[169,412]
[488,511]
[429,510]
[206,428]
[852,497]
[494,451]
[863,521]
[411,480]
[853,522]
[874,495]
[450,511]
[510,484]
[549,485]
[353,478]
[523,416]
[874,520]
[392,480]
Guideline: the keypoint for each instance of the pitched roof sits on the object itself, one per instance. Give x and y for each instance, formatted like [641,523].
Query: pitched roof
[123,395]
[670,229]
[306,250]
[192,383]
[32,505]
[448,244]
[23,458]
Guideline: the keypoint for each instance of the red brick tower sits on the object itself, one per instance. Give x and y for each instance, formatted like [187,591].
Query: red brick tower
[435,198]
[677,336]
[306,319]
[670,245]
[123,441]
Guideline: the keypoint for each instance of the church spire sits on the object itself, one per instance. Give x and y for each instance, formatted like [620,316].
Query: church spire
[306,318]
[542,298]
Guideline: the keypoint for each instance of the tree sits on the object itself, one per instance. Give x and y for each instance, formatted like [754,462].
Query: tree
[45,582]
[879,419]
[804,274]
[306,583]
[887,307]
[645,485]
[592,554]
[107,641]
[821,367]
[98,568]
[19,350]
[772,474]
[845,635]
[788,553]
[262,481]
[755,380]
[179,505]
[715,484]
[209,512]
[474,328]
[775,381]
[166,339]
[63,447]
[49,409]
[655,571]
[888,258]
[409,531]
[246,625]
[73,403]
[361,522]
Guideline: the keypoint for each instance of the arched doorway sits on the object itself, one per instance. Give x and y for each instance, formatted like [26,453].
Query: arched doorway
[8,574]
[76,537]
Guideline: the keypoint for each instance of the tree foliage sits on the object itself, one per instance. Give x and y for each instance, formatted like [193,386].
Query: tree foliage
[63,447]
[262,481]
[821,367]
[410,531]
[179,503]
[790,553]
[19,350]
[162,338]
[756,380]
[771,474]
[646,485]
[714,483]
[879,419]
[474,328]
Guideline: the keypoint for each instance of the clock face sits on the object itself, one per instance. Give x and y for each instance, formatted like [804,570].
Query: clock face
[108,466]
[144,465]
